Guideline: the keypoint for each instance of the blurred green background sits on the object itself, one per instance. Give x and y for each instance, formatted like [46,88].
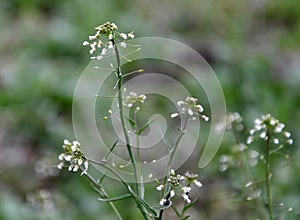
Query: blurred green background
[253,46]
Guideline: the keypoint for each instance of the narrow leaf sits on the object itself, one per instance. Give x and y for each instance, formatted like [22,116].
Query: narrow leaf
[145,126]
[185,208]
[117,198]
[130,121]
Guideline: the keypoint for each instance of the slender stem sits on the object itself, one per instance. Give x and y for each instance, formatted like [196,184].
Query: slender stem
[245,171]
[120,102]
[138,153]
[182,132]
[268,177]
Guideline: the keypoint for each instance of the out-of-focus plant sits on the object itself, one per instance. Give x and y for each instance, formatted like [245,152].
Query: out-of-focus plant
[274,137]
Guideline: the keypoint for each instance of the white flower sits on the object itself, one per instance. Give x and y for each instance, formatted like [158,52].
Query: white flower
[123,44]
[290,141]
[263,135]
[75,168]
[110,36]
[179,103]
[276,141]
[186,198]
[186,189]
[103,52]
[162,202]
[110,45]
[174,115]
[93,50]
[172,193]
[85,43]
[200,108]
[60,165]
[68,157]
[205,118]
[287,134]
[124,36]
[99,57]
[250,139]
[131,35]
[160,187]
[197,183]
[190,112]
[61,156]
[92,37]
[279,128]
[66,142]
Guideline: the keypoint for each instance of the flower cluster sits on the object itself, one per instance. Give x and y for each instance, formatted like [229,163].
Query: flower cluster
[179,184]
[42,200]
[233,122]
[74,156]
[268,127]
[106,36]
[233,160]
[132,99]
[191,108]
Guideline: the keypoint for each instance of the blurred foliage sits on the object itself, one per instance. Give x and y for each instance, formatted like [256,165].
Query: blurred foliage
[253,46]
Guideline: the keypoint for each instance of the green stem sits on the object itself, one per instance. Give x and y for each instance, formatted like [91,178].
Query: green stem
[245,171]
[268,177]
[182,131]
[120,102]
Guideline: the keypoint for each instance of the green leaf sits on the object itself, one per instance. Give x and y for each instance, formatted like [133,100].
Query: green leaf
[145,126]
[111,149]
[117,198]
[189,205]
[130,121]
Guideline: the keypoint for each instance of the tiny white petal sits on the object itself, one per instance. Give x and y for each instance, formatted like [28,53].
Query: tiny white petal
[61,156]
[68,157]
[131,35]
[162,202]
[85,43]
[110,45]
[99,57]
[103,52]
[174,115]
[60,166]
[287,134]
[172,193]
[276,141]
[290,141]
[76,168]
[186,198]
[179,103]
[263,135]
[197,183]
[252,131]
[205,118]
[190,112]
[160,187]
[66,142]
[123,44]
[124,36]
